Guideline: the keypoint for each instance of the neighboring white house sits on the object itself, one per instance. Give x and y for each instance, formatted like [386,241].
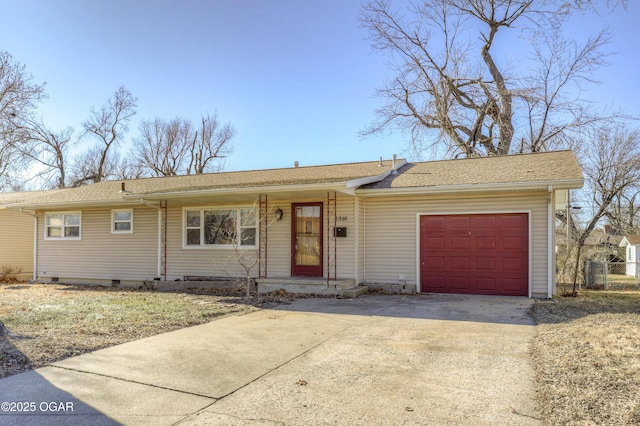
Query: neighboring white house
[482,225]
[632,255]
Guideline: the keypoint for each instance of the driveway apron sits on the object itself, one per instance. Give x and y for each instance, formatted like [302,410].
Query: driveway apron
[387,360]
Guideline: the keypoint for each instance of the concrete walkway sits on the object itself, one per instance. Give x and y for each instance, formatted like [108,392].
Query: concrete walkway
[375,360]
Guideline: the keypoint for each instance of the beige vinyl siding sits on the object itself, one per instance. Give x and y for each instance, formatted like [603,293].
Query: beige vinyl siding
[391,231]
[200,261]
[101,255]
[221,262]
[345,246]
[16,241]
[279,242]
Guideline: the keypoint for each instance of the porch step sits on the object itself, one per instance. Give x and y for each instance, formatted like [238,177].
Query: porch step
[311,286]
[355,291]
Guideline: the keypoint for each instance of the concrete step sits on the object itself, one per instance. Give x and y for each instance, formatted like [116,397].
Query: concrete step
[310,286]
[355,291]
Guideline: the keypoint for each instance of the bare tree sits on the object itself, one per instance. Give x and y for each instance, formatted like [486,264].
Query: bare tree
[212,141]
[611,164]
[624,212]
[245,242]
[451,87]
[170,148]
[19,97]
[162,146]
[107,124]
[49,150]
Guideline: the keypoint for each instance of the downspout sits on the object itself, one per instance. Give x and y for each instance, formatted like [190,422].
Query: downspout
[35,242]
[356,238]
[364,241]
[159,209]
[551,276]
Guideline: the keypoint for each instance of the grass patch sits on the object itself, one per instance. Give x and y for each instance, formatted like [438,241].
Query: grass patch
[587,358]
[46,323]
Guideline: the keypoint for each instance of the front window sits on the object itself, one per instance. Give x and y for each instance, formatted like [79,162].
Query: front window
[62,226]
[122,221]
[220,227]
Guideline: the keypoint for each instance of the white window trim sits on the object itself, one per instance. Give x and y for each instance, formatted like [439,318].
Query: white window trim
[203,246]
[62,238]
[113,221]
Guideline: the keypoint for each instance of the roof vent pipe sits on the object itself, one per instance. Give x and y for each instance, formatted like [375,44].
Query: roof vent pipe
[122,187]
[380,163]
[296,164]
[394,170]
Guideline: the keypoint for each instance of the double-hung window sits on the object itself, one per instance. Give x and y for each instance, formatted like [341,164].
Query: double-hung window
[122,221]
[228,227]
[62,226]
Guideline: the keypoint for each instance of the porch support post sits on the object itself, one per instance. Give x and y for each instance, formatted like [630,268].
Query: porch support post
[332,273]
[262,240]
[162,219]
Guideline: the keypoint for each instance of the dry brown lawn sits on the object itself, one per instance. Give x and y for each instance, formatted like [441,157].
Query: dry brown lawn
[587,358]
[44,323]
[586,355]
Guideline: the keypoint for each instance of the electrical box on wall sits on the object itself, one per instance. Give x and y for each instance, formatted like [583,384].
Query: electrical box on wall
[341,231]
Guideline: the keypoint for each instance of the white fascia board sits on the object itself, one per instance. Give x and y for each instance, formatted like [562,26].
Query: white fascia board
[542,186]
[334,186]
[70,205]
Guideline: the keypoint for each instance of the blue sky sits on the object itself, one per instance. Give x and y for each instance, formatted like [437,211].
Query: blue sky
[295,78]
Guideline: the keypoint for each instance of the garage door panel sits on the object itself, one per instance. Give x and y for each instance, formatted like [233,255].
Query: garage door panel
[511,285]
[513,264]
[434,223]
[486,263]
[485,222]
[435,243]
[437,282]
[459,224]
[475,254]
[486,283]
[460,283]
[514,243]
[460,242]
[516,222]
[459,263]
[486,243]
[436,263]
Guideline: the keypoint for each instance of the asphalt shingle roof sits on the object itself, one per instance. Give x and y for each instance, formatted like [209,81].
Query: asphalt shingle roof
[528,168]
[524,168]
[633,239]
[110,190]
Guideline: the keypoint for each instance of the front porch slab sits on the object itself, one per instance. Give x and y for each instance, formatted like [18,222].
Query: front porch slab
[320,286]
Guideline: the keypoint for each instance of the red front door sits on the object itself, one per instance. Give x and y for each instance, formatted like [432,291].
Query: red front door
[306,239]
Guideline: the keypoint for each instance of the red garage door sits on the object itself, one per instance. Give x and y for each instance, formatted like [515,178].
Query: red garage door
[475,254]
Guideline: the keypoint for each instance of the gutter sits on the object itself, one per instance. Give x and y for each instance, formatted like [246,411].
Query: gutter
[551,261]
[68,204]
[441,189]
[226,191]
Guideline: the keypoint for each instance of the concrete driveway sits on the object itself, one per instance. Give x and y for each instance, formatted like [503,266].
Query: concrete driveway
[375,360]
